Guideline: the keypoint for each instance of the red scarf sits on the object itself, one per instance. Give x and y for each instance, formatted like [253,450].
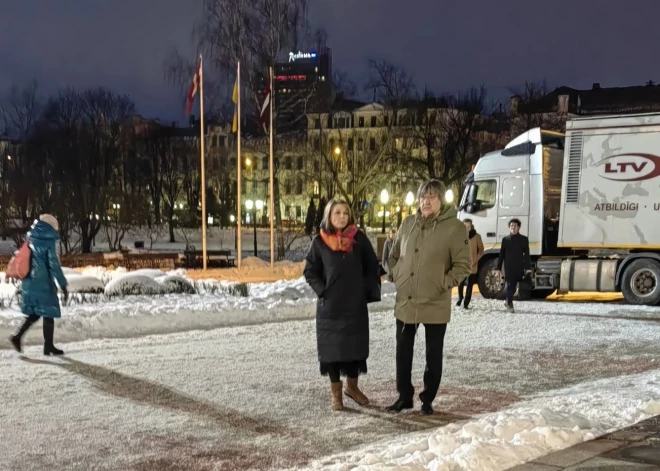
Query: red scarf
[341,241]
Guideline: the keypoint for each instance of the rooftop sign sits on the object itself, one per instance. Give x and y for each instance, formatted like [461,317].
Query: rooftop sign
[294,56]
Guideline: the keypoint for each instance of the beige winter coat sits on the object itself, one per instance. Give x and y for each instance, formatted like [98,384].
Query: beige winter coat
[476,251]
[429,258]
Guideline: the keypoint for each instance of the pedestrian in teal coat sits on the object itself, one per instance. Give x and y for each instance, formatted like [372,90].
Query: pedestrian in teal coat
[38,288]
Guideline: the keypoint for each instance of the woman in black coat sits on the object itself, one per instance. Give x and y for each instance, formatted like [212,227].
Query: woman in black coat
[342,269]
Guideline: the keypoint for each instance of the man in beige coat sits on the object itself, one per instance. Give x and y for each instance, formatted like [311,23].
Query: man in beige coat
[430,256]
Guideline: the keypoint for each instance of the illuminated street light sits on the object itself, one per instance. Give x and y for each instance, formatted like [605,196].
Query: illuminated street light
[384,198]
[410,198]
[249,204]
[449,196]
[337,150]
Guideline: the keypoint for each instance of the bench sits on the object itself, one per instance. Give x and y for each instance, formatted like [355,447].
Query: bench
[194,257]
[166,261]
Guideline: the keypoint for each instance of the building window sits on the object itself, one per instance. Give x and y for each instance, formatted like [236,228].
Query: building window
[298,212]
[222,141]
[299,186]
[350,143]
[264,163]
[360,144]
[317,144]
[288,163]
[300,163]
[361,122]
[317,123]
[287,187]
[373,121]
[317,167]
[386,120]
[341,123]
[372,143]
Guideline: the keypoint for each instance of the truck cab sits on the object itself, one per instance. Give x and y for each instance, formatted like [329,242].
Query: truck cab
[522,181]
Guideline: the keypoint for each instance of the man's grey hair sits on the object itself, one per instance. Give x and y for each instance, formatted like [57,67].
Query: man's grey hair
[434,187]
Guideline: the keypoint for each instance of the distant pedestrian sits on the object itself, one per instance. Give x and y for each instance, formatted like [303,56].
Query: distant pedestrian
[430,256]
[476,252]
[342,269]
[39,292]
[514,257]
[387,248]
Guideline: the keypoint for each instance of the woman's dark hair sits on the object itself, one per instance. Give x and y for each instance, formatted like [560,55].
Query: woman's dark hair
[326,225]
[515,221]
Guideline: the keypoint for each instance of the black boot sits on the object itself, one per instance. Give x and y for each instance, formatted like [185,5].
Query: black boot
[49,331]
[16,338]
[400,405]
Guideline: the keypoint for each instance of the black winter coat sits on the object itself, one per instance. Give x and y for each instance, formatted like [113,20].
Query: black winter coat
[344,282]
[514,254]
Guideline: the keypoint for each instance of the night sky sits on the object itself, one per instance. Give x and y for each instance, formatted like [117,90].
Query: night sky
[446,44]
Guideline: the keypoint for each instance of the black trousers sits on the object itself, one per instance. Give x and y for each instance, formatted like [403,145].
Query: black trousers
[467,283]
[511,287]
[405,346]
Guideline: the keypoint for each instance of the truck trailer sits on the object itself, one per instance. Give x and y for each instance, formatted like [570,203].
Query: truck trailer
[588,199]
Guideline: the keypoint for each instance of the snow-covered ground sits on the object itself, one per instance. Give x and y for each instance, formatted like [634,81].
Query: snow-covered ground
[250,397]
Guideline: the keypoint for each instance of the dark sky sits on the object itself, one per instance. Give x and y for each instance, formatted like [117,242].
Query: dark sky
[446,44]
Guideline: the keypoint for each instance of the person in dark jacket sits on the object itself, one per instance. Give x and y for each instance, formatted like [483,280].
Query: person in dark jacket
[387,248]
[514,257]
[342,269]
[38,289]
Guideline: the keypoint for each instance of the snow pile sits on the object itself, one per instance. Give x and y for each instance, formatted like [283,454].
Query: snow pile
[504,439]
[78,283]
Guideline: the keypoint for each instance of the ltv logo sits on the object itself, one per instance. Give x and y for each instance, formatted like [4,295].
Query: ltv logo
[629,167]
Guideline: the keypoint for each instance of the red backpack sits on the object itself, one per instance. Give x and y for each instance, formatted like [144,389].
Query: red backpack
[19,265]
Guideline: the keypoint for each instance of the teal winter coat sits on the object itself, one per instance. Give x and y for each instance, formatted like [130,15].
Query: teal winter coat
[39,290]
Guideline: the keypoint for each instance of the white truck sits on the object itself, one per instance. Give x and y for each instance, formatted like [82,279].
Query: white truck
[589,201]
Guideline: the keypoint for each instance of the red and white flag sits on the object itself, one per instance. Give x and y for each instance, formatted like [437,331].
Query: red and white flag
[265,107]
[194,87]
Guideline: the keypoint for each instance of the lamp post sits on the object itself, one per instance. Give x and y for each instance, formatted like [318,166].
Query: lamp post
[410,199]
[232,220]
[384,198]
[249,205]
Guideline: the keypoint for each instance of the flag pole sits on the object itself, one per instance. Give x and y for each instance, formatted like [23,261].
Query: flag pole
[202,164]
[239,164]
[271,167]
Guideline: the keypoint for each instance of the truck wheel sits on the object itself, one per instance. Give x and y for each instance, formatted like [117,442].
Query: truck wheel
[541,293]
[641,282]
[490,285]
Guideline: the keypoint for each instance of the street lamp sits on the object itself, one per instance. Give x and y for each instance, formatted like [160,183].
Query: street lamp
[251,206]
[384,198]
[232,220]
[337,150]
[449,196]
[410,199]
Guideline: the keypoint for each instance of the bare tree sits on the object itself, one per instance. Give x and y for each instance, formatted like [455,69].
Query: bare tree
[444,136]
[531,110]
[20,109]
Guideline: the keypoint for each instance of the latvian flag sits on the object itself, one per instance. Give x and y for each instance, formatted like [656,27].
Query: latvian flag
[263,116]
[194,87]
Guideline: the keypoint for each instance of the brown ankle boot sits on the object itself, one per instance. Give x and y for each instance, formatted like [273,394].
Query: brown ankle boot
[337,400]
[354,392]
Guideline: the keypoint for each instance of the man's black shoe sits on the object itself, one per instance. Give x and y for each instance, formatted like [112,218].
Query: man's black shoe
[400,405]
[427,409]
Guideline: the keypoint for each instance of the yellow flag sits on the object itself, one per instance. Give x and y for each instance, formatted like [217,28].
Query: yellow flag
[234,98]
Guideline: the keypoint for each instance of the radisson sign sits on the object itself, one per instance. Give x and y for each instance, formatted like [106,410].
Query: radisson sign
[294,56]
